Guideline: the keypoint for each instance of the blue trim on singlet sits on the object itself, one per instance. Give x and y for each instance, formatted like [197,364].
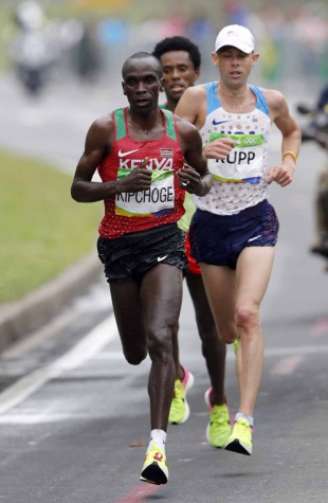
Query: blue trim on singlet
[213,101]
[261,102]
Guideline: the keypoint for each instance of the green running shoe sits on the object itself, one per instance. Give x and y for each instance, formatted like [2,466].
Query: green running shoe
[180,410]
[240,439]
[218,429]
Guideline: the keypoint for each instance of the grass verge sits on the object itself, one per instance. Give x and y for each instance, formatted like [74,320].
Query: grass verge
[42,229]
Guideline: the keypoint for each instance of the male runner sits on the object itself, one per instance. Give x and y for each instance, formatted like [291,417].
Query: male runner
[180,59]
[139,152]
[234,231]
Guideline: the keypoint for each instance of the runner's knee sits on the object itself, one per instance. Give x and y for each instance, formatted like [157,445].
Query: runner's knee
[135,357]
[160,344]
[247,316]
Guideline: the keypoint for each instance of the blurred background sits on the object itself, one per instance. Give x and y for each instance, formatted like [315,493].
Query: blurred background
[88,39]
[60,63]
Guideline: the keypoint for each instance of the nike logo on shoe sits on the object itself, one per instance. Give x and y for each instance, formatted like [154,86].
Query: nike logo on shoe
[254,238]
[127,152]
[160,259]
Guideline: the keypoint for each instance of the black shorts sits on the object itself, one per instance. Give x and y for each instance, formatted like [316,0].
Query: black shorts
[219,239]
[133,254]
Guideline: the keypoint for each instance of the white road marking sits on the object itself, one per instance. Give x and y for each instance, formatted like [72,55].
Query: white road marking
[91,346]
[86,349]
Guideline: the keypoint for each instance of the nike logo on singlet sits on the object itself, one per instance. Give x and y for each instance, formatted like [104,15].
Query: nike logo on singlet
[127,152]
[217,123]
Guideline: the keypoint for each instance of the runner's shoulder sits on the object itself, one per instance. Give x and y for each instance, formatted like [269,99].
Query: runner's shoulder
[197,93]
[101,128]
[103,123]
[275,99]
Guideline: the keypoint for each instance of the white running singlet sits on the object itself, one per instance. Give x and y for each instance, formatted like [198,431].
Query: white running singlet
[239,179]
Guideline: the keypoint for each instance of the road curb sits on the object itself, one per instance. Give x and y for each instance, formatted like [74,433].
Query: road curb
[18,319]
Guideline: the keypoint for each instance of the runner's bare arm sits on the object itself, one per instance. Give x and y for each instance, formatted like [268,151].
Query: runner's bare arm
[194,176]
[192,106]
[97,146]
[283,173]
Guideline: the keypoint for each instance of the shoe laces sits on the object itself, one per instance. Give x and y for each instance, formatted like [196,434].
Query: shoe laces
[243,426]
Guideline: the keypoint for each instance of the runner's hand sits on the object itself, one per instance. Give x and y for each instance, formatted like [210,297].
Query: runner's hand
[283,174]
[190,180]
[218,149]
[139,179]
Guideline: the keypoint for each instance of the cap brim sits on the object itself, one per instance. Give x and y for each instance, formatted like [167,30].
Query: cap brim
[238,45]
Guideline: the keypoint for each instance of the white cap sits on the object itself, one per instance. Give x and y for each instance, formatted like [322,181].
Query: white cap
[235,35]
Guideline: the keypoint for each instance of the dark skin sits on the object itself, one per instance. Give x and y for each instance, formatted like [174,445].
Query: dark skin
[146,311]
[179,73]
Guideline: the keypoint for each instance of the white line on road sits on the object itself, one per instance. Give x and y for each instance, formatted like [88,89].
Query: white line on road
[86,349]
[92,345]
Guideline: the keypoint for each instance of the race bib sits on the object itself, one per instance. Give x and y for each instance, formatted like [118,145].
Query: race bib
[160,196]
[244,163]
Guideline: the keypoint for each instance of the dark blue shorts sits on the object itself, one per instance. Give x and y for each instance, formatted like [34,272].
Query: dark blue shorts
[219,239]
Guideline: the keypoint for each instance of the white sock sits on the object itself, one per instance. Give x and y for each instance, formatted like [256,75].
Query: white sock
[159,436]
[249,419]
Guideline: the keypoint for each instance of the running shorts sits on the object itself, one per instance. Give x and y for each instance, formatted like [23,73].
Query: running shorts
[219,239]
[132,255]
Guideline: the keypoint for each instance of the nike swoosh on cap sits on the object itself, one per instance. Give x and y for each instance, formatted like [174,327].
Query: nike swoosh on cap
[127,152]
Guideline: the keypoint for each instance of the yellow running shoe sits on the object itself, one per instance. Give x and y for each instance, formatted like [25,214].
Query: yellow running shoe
[240,439]
[218,429]
[180,410]
[155,470]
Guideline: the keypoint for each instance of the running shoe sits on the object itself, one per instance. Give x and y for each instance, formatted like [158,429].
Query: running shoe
[180,410]
[218,429]
[240,439]
[155,470]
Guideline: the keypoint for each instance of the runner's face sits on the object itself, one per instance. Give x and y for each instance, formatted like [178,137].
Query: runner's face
[178,73]
[141,84]
[234,66]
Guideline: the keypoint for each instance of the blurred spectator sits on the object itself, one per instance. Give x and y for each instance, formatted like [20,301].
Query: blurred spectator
[88,53]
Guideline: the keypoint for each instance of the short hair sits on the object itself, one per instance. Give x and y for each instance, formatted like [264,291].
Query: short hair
[178,43]
[141,55]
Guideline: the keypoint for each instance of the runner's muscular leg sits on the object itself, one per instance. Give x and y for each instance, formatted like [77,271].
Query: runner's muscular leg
[220,290]
[213,347]
[161,295]
[253,272]
[126,304]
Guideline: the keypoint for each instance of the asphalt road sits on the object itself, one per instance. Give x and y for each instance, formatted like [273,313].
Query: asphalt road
[74,415]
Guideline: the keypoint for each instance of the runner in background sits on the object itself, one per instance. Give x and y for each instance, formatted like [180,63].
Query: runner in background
[180,59]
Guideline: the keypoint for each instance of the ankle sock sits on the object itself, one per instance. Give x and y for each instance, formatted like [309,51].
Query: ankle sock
[159,436]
